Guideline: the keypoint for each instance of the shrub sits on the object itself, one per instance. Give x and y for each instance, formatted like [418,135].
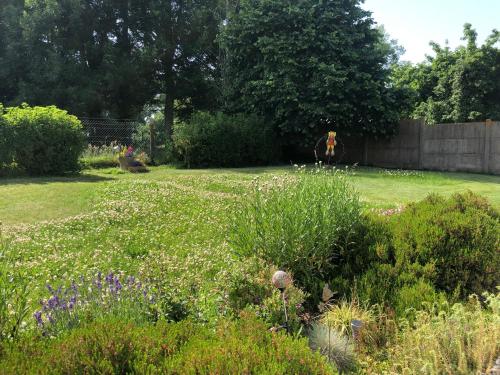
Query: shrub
[219,140]
[6,141]
[243,346]
[434,249]
[47,140]
[306,223]
[461,339]
[412,297]
[453,243]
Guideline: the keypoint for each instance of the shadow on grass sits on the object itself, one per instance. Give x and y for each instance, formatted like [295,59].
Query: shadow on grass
[26,180]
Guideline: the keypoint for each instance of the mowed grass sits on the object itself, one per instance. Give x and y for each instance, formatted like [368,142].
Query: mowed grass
[169,224]
[32,200]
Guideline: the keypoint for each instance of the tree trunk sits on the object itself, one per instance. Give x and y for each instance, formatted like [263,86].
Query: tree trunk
[169,109]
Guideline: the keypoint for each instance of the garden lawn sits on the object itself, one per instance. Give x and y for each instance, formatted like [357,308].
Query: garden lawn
[169,224]
[31,200]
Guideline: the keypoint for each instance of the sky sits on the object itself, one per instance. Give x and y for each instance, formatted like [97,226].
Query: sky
[414,23]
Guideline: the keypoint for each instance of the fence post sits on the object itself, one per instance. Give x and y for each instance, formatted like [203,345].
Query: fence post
[421,125]
[487,145]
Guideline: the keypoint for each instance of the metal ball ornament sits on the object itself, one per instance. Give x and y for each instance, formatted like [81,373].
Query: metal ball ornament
[281,280]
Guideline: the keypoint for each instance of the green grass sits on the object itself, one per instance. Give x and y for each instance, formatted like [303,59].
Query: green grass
[31,200]
[169,223]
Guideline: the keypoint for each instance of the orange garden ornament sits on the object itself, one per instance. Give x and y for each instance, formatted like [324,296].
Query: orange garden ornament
[331,143]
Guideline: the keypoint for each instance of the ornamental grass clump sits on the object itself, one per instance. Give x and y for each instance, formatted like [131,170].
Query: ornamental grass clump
[444,339]
[307,223]
[88,300]
[335,346]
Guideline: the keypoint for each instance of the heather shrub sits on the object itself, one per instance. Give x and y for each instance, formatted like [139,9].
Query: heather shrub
[246,346]
[309,224]
[436,249]
[46,140]
[410,298]
[220,140]
[109,346]
[113,346]
[454,243]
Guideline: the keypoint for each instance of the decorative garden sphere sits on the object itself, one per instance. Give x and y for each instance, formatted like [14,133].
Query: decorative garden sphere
[281,279]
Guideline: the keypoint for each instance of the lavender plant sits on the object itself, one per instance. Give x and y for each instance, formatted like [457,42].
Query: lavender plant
[88,300]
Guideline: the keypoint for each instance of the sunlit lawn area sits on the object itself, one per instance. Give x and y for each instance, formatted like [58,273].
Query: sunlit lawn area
[31,200]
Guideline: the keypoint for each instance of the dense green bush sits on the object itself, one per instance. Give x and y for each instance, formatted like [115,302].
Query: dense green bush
[219,140]
[46,140]
[114,347]
[6,143]
[310,224]
[454,243]
[435,249]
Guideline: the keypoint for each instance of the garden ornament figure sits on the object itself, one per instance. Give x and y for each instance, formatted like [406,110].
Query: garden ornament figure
[281,280]
[331,143]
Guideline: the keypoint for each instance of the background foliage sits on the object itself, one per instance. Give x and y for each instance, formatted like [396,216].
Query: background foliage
[219,140]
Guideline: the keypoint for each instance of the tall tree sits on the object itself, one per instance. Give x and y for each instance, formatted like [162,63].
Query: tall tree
[309,65]
[11,49]
[180,36]
[455,85]
[85,56]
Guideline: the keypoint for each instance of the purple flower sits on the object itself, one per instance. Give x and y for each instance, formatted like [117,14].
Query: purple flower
[74,287]
[118,285]
[109,278]
[38,317]
[53,302]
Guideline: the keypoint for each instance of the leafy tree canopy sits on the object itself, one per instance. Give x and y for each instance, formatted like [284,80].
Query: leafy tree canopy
[454,85]
[309,65]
